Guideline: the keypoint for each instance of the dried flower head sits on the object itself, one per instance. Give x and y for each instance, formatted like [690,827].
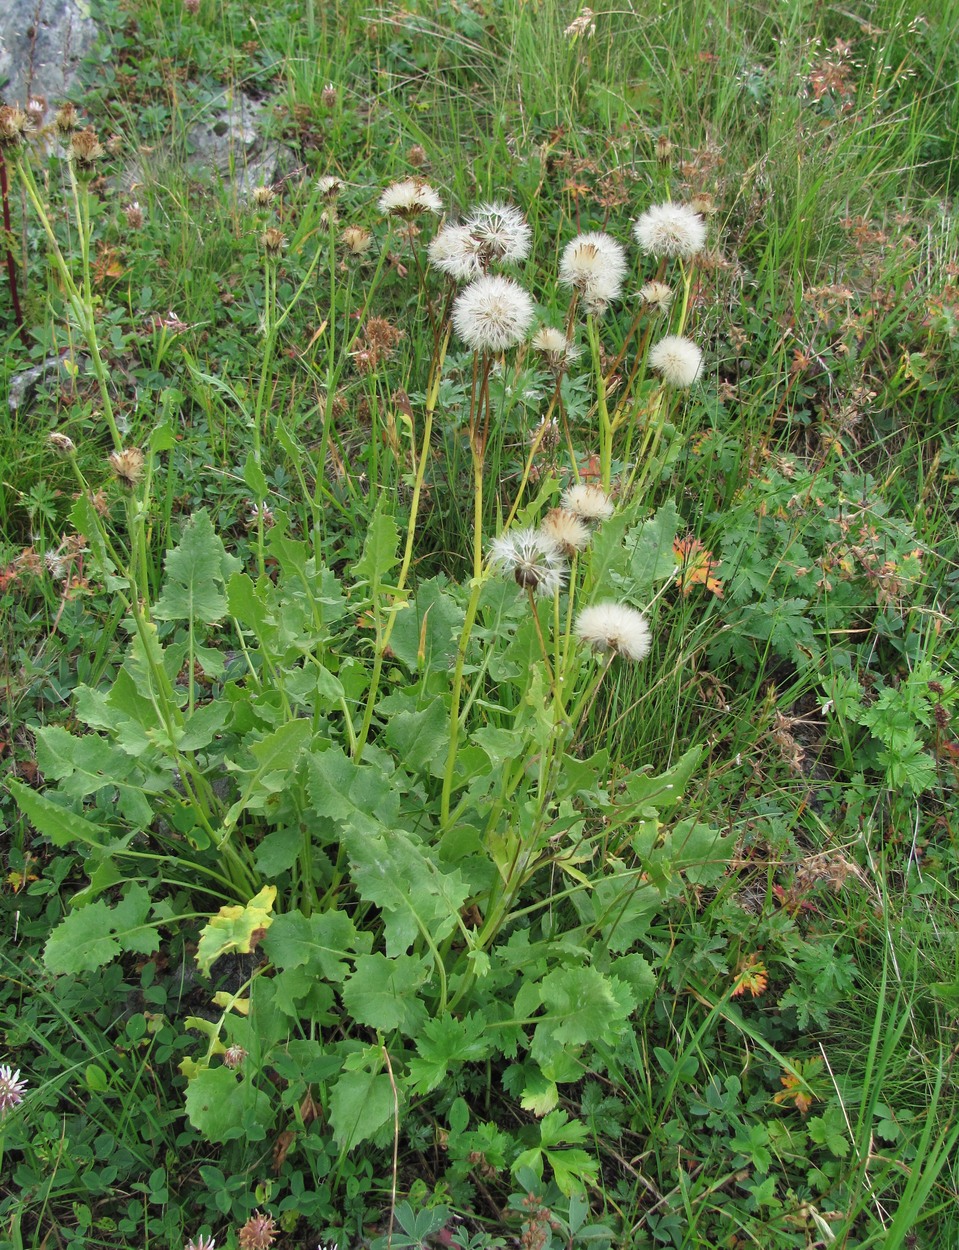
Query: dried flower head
[12,1089]
[656,295]
[65,119]
[134,215]
[670,230]
[14,126]
[127,465]
[501,232]
[273,241]
[534,559]
[614,627]
[61,443]
[664,149]
[329,96]
[703,203]
[417,156]
[587,501]
[594,264]
[258,1233]
[566,530]
[356,240]
[454,251]
[554,346]
[85,149]
[409,198]
[200,1243]
[191,6]
[677,360]
[233,1056]
[329,186]
[263,196]
[492,313]
[36,111]
[583,25]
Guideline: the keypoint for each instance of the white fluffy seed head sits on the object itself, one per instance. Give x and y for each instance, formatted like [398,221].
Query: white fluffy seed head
[454,251]
[594,264]
[492,313]
[534,558]
[554,345]
[566,530]
[614,627]
[670,230]
[588,502]
[678,361]
[409,198]
[501,232]
[656,295]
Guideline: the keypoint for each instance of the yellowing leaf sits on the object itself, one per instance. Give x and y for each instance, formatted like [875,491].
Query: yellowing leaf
[236,928]
[696,565]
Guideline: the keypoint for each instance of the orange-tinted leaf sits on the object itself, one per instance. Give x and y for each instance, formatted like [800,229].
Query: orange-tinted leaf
[696,566]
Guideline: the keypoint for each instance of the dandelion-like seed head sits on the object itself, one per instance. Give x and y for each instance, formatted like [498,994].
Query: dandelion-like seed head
[127,465]
[85,149]
[273,241]
[554,346]
[534,559]
[587,501]
[492,313]
[61,443]
[263,196]
[356,240]
[566,529]
[258,1233]
[657,295]
[455,251]
[670,230]
[329,186]
[590,258]
[501,232]
[12,1089]
[677,360]
[614,627]
[410,198]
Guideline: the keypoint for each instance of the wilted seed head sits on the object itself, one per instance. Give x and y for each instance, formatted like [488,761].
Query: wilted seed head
[329,186]
[614,627]
[356,240]
[14,125]
[233,1056]
[85,149]
[566,530]
[127,465]
[191,6]
[273,241]
[703,203]
[534,559]
[263,196]
[329,95]
[134,215]
[501,231]
[65,119]
[258,1233]
[409,198]
[492,313]
[657,295]
[61,443]
[677,360]
[417,156]
[587,501]
[664,149]
[670,230]
[453,250]
[554,346]
[12,1089]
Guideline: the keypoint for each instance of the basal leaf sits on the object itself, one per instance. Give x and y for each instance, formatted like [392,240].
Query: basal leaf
[92,936]
[382,993]
[223,1105]
[360,1104]
[63,827]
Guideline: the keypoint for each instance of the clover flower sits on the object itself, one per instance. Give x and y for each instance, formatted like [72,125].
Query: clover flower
[670,230]
[409,198]
[258,1233]
[203,1242]
[587,501]
[455,251]
[492,313]
[501,232]
[594,264]
[678,361]
[534,559]
[12,1089]
[614,627]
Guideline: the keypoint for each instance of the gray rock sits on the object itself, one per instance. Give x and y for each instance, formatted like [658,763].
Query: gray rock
[60,369]
[41,45]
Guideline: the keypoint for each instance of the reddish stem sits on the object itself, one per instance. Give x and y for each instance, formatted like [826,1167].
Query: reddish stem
[8,248]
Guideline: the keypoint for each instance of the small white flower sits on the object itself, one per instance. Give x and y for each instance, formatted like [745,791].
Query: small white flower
[492,313]
[501,232]
[533,558]
[203,1242]
[670,230]
[12,1089]
[614,627]
[409,198]
[678,361]
[455,251]
[587,501]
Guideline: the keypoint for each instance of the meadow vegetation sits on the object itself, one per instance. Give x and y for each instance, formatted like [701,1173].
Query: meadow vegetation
[478,569]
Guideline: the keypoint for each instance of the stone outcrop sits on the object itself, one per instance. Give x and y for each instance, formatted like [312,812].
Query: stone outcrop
[41,45]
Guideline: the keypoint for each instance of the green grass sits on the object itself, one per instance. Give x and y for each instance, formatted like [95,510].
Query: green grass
[811,853]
